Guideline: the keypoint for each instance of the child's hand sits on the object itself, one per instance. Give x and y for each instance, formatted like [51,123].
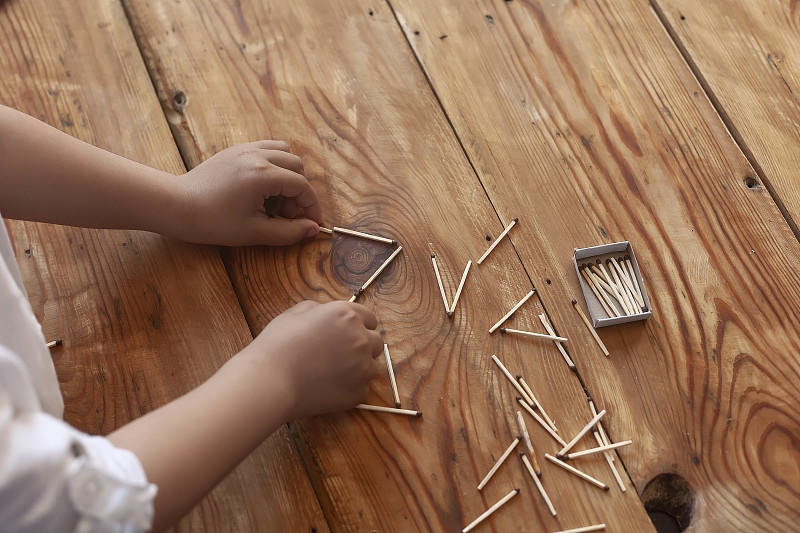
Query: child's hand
[323,356]
[231,197]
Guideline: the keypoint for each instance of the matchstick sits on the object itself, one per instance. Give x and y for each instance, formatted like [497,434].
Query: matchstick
[535,404]
[602,431]
[538,483]
[585,529]
[599,449]
[460,287]
[497,240]
[355,233]
[527,438]
[533,335]
[391,410]
[551,331]
[323,229]
[498,463]
[380,269]
[581,433]
[517,386]
[634,282]
[623,275]
[590,327]
[610,460]
[391,375]
[608,285]
[441,286]
[489,511]
[623,291]
[53,344]
[541,422]
[513,310]
[573,470]
[596,291]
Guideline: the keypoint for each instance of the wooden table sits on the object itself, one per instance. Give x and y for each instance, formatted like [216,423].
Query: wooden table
[672,124]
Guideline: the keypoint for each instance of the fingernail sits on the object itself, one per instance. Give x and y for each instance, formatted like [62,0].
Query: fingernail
[312,232]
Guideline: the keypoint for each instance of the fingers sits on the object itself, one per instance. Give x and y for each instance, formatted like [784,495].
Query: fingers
[285,160]
[376,343]
[283,231]
[367,316]
[271,144]
[290,184]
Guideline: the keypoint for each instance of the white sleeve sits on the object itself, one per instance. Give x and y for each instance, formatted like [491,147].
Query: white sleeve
[56,478]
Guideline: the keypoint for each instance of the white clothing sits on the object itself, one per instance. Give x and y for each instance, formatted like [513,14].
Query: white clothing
[52,476]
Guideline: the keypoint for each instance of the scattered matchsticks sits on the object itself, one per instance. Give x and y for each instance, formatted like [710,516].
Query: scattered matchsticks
[53,344]
[585,529]
[531,334]
[602,440]
[460,288]
[535,478]
[497,240]
[441,285]
[498,463]
[542,423]
[390,410]
[491,510]
[507,374]
[590,327]
[581,433]
[513,310]
[549,327]
[377,273]
[527,438]
[535,403]
[599,449]
[361,234]
[573,470]
[390,369]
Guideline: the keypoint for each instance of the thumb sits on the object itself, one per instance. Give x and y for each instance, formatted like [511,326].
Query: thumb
[285,231]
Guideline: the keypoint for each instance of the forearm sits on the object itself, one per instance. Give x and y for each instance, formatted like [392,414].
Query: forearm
[48,176]
[192,443]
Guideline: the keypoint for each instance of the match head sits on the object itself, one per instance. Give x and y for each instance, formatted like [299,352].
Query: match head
[519,437]
[560,456]
[502,330]
[433,256]
[599,262]
[516,220]
[574,302]
[519,376]
[573,368]
[605,488]
[644,309]
[627,258]
[419,414]
[589,399]
[608,261]
[519,398]
[59,342]
[394,242]
[522,454]
[450,314]
[516,490]
[397,405]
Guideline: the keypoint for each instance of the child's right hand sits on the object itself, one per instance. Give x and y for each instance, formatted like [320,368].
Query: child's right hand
[321,356]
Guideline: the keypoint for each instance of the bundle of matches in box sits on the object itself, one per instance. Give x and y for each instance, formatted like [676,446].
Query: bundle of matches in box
[615,286]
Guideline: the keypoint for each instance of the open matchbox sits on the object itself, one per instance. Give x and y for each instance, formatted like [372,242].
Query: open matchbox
[603,252]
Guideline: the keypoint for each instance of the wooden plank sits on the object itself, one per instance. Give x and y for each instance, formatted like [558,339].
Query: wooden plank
[584,117]
[338,81]
[746,55]
[144,319]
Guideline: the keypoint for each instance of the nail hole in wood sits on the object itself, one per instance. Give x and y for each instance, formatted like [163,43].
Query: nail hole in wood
[180,99]
[751,183]
[488,237]
[669,502]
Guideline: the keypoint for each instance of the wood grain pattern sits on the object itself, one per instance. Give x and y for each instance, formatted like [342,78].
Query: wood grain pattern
[338,81]
[746,55]
[583,117]
[144,319]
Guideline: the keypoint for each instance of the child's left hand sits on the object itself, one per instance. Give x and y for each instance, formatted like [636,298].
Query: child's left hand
[230,199]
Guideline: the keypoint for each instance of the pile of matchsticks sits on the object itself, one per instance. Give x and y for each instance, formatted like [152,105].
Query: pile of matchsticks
[615,286]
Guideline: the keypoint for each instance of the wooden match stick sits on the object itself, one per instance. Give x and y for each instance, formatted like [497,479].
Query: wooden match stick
[607,282]
[602,431]
[390,369]
[489,511]
[596,291]
[606,290]
[391,410]
[460,287]
[380,269]
[513,310]
[535,404]
[541,422]
[363,235]
[549,327]
[623,291]
[590,327]
[623,275]
[581,433]
[53,344]
[508,375]
[533,335]
[497,240]
[441,286]
[538,483]
[573,470]
[527,438]
[498,463]
[610,460]
[323,229]
[585,529]
[599,449]
[635,283]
